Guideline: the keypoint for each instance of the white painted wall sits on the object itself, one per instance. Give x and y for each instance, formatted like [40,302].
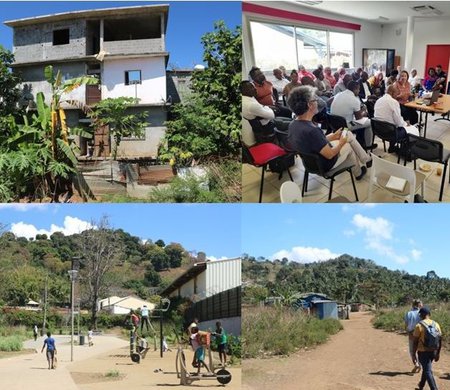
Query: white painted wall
[426,32]
[368,37]
[153,74]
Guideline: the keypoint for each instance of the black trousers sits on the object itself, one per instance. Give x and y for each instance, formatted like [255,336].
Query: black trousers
[409,114]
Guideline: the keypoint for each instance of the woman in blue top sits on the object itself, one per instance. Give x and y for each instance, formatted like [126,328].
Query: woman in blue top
[51,349]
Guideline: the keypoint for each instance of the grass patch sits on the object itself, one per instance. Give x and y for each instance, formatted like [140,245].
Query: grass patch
[11,343]
[392,320]
[281,331]
[112,374]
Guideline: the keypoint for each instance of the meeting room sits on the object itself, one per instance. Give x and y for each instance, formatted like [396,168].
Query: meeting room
[345,101]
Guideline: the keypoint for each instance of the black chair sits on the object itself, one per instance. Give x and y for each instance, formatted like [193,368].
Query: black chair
[387,132]
[429,150]
[335,122]
[312,164]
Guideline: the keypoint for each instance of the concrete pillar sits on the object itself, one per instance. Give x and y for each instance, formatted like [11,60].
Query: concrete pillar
[409,49]
[102,33]
[163,36]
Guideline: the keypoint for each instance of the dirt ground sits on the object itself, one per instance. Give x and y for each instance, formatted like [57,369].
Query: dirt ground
[153,372]
[357,358]
[106,365]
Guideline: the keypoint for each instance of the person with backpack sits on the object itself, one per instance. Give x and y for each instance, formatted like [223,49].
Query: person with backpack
[411,320]
[427,343]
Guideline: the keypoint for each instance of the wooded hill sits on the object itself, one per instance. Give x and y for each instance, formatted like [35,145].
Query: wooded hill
[346,279]
[137,268]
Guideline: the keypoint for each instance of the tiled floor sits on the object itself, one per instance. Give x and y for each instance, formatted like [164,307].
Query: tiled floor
[318,187]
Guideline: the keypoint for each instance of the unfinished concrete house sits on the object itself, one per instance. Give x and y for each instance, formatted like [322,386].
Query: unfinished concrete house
[124,47]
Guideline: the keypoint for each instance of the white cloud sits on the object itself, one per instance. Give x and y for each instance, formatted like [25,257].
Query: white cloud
[378,228]
[72,225]
[349,233]
[379,237]
[302,254]
[213,258]
[23,207]
[354,207]
[416,254]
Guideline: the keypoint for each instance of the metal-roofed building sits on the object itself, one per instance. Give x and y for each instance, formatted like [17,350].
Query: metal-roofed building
[214,287]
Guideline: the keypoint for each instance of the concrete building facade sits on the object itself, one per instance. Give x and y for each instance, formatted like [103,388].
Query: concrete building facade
[123,47]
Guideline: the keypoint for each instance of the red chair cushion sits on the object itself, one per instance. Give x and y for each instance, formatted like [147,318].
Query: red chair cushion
[263,153]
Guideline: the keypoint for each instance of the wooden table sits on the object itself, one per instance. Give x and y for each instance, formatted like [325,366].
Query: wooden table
[442,106]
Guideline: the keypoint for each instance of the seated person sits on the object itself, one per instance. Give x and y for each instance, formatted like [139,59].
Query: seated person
[285,75]
[341,85]
[366,94]
[357,74]
[392,78]
[430,79]
[305,137]
[323,87]
[294,83]
[414,81]
[329,77]
[264,93]
[404,92]
[280,82]
[302,72]
[252,109]
[348,105]
[377,84]
[387,109]
[441,78]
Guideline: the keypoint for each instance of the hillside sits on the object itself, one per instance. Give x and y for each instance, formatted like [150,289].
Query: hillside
[346,279]
[137,268]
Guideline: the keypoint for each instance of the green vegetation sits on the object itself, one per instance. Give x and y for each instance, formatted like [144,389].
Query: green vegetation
[281,331]
[115,114]
[11,343]
[346,279]
[11,338]
[392,320]
[112,374]
[205,129]
[221,185]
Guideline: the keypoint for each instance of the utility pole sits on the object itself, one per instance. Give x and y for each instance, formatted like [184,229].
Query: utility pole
[45,305]
[73,277]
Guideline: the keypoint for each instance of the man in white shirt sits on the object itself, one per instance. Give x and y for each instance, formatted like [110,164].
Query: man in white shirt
[348,105]
[280,82]
[252,109]
[414,80]
[387,109]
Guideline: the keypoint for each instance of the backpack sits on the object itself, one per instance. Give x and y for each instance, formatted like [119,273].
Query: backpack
[282,163]
[432,337]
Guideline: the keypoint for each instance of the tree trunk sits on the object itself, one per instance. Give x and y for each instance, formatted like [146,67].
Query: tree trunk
[94,310]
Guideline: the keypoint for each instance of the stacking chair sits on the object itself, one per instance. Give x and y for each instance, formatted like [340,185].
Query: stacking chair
[429,150]
[260,156]
[290,193]
[386,132]
[382,170]
[311,162]
[335,122]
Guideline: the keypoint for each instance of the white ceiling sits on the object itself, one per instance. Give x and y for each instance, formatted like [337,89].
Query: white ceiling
[395,11]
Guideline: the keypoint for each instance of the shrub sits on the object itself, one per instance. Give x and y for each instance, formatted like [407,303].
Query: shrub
[112,374]
[11,343]
[281,331]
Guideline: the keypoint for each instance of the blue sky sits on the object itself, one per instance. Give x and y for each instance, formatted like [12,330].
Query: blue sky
[413,238]
[188,21]
[211,228]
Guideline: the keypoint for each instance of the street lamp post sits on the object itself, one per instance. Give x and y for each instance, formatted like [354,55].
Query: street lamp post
[73,273]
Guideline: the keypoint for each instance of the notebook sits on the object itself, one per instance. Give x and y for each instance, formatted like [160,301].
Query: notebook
[396,183]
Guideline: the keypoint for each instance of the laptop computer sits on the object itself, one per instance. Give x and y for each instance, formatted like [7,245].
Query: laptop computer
[434,97]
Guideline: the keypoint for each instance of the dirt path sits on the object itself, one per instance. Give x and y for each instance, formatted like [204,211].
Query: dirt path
[357,358]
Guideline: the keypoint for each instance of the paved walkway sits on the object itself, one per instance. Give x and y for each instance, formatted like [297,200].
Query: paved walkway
[30,371]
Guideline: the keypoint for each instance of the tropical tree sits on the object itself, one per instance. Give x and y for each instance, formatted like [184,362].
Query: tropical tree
[122,123]
[208,124]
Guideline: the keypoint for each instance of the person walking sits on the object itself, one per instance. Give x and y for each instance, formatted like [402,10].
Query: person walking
[144,318]
[90,337]
[427,343]
[51,350]
[35,332]
[411,320]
